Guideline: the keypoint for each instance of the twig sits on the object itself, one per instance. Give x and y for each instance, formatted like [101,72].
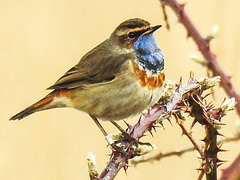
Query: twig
[201,174]
[165,16]
[196,146]
[185,132]
[179,153]
[161,155]
[203,46]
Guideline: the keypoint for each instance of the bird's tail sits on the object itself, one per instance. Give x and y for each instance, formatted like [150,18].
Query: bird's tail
[45,103]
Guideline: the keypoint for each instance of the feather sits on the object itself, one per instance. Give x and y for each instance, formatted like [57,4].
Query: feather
[99,65]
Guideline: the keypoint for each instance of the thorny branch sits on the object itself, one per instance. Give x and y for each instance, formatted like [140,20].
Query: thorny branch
[173,102]
[203,46]
[179,152]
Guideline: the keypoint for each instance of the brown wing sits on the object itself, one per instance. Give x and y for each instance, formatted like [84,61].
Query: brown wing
[99,65]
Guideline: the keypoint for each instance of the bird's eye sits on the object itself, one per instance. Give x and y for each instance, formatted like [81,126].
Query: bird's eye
[132,35]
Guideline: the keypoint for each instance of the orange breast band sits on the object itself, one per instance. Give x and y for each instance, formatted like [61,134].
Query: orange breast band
[151,82]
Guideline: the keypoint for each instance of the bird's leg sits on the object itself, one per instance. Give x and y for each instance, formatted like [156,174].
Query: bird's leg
[99,125]
[108,138]
[125,135]
[117,126]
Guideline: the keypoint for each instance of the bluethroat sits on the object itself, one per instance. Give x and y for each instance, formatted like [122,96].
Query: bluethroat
[117,79]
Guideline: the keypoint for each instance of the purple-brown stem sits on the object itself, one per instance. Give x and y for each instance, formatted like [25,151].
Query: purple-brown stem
[117,160]
[203,46]
[232,172]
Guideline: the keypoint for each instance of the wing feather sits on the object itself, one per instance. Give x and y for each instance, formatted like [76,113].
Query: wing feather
[99,65]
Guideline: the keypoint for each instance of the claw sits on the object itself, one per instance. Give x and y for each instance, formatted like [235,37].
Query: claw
[134,141]
[130,139]
[121,151]
[127,144]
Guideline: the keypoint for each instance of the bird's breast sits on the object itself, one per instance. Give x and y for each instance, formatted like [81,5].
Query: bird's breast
[147,79]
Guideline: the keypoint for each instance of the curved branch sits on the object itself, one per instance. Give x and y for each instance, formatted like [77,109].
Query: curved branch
[203,46]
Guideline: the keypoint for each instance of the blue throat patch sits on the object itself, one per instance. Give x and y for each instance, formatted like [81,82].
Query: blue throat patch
[149,56]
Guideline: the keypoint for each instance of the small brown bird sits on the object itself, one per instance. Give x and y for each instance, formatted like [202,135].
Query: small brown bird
[117,79]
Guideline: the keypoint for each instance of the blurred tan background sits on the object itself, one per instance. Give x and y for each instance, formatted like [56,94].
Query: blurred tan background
[40,40]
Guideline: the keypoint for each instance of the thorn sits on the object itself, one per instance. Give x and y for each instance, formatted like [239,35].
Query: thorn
[151,133]
[162,125]
[219,134]
[154,128]
[183,5]
[220,150]
[191,77]
[219,164]
[201,158]
[180,81]
[193,123]
[125,168]
[206,95]
[200,169]
[169,120]
[128,125]
[220,161]
[183,133]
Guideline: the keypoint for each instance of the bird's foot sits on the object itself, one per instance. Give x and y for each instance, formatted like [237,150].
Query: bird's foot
[127,137]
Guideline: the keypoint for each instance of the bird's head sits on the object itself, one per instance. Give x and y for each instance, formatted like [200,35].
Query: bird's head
[128,32]
[137,34]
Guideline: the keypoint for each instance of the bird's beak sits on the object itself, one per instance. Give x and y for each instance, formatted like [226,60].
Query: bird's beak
[152,29]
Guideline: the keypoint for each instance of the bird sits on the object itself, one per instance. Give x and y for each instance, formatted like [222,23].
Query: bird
[116,80]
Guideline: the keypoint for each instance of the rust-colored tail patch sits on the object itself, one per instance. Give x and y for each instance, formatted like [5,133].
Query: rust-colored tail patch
[50,97]
[43,102]
[38,106]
